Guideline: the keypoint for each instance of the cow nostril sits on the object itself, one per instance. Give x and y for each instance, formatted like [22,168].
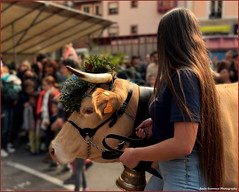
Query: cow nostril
[52,152]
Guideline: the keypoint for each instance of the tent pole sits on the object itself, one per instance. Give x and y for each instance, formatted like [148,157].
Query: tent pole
[14,46]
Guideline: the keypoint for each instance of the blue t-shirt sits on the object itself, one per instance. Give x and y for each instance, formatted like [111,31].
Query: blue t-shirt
[164,110]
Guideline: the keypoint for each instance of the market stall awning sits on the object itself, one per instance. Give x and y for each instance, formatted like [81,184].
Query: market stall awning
[33,27]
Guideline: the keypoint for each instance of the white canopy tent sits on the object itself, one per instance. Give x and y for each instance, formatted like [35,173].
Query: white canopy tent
[33,27]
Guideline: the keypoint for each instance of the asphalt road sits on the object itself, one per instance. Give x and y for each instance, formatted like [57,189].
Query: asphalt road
[21,171]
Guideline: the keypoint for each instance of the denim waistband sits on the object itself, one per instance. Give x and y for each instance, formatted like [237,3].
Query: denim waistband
[182,174]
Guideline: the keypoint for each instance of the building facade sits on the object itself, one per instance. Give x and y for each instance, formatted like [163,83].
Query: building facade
[136,23]
[219,25]
[135,30]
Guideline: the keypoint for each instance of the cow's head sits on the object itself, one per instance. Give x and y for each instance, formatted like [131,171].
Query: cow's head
[96,107]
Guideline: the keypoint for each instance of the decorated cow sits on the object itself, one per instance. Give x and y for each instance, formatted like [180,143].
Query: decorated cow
[102,105]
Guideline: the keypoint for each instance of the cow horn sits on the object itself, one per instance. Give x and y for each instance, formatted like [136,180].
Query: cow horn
[91,77]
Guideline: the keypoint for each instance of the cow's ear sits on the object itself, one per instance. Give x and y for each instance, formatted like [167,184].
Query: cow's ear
[105,101]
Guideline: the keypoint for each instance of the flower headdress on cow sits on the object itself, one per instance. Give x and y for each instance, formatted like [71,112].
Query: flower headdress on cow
[73,90]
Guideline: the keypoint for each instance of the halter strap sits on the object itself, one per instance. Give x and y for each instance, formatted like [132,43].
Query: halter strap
[88,131]
[116,153]
[121,110]
[123,138]
[118,113]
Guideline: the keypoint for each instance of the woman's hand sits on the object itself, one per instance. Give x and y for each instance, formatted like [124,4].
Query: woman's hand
[128,158]
[145,126]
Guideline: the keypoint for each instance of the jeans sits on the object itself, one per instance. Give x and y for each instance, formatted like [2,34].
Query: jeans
[182,174]
[79,173]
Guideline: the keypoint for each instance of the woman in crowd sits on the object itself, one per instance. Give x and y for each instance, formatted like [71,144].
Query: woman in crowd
[24,65]
[51,67]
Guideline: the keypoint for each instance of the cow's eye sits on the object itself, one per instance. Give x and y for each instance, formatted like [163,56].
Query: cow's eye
[88,110]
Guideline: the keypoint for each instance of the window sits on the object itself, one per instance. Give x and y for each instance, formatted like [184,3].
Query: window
[97,10]
[164,6]
[134,4]
[134,29]
[86,9]
[113,8]
[235,29]
[215,10]
[113,31]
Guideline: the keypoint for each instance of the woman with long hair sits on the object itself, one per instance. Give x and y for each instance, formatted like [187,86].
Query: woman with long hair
[185,116]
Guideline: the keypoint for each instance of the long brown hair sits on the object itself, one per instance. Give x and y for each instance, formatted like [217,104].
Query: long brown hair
[180,45]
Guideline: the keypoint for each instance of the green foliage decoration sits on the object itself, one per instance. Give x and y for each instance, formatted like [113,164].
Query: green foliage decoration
[74,89]
[72,92]
[97,64]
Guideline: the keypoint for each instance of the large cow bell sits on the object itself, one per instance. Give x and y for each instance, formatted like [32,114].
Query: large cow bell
[131,180]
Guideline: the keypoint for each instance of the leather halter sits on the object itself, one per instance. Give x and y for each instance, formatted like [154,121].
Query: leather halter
[112,153]
[84,132]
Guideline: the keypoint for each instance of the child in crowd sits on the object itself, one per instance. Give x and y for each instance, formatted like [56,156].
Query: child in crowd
[57,112]
[29,123]
[28,87]
[44,107]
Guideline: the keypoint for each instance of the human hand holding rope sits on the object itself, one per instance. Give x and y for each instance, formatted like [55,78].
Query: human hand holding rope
[144,128]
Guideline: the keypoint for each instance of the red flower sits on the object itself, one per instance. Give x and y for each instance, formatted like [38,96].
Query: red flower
[89,67]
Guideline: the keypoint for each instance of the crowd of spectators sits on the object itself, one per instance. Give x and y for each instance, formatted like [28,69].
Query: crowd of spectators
[29,95]
[226,70]
[23,91]
[30,112]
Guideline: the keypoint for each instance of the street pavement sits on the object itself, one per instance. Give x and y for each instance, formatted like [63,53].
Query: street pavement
[21,171]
